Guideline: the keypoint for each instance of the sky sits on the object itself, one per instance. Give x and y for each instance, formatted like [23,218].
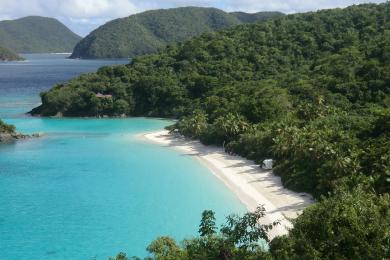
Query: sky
[83,16]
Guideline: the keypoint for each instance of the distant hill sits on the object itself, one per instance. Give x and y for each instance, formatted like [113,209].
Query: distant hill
[34,34]
[6,54]
[146,32]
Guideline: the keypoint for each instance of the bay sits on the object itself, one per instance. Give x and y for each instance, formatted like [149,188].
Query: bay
[90,188]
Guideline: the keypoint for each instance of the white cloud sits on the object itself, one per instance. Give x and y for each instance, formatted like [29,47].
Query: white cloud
[94,8]
[82,16]
[71,8]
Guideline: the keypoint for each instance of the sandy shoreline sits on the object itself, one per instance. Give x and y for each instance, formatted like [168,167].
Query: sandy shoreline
[251,184]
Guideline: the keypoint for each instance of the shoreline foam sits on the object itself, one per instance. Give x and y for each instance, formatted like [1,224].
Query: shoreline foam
[251,184]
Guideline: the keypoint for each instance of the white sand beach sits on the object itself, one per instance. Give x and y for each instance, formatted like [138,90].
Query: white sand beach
[253,185]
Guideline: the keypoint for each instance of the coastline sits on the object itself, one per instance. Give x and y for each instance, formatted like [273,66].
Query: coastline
[13,137]
[251,184]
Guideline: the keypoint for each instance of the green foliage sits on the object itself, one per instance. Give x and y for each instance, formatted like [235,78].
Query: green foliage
[265,103]
[246,231]
[120,256]
[314,158]
[121,107]
[207,224]
[225,129]
[8,55]
[240,238]
[152,30]
[375,158]
[194,126]
[36,34]
[310,91]
[165,248]
[349,225]
[5,128]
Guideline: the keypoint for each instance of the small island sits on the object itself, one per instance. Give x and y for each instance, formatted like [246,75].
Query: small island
[8,133]
[7,55]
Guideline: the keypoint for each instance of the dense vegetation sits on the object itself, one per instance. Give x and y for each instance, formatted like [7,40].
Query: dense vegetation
[5,128]
[311,91]
[146,32]
[7,55]
[8,134]
[348,225]
[35,34]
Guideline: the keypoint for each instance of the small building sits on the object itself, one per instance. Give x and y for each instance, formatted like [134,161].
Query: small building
[100,95]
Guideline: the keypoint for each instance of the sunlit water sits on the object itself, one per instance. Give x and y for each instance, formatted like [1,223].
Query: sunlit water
[90,188]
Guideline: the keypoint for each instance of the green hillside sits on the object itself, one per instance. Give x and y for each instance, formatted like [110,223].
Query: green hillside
[146,32]
[8,55]
[36,34]
[311,91]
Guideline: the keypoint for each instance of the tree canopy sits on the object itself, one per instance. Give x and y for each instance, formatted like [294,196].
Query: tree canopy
[348,225]
[5,128]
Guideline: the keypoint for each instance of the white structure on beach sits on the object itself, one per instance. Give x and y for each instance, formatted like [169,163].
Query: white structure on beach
[267,164]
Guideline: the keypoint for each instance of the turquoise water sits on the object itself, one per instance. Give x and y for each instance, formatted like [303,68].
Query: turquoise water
[90,188]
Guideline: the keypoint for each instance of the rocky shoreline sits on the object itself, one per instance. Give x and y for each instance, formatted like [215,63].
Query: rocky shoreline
[12,137]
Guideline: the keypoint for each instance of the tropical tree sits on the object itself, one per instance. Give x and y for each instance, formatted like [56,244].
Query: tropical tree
[207,224]
[348,225]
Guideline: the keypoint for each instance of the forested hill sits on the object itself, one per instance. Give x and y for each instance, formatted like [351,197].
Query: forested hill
[7,55]
[147,32]
[36,34]
[311,91]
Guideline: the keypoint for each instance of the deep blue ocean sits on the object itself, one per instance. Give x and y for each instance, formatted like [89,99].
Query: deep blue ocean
[89,188]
